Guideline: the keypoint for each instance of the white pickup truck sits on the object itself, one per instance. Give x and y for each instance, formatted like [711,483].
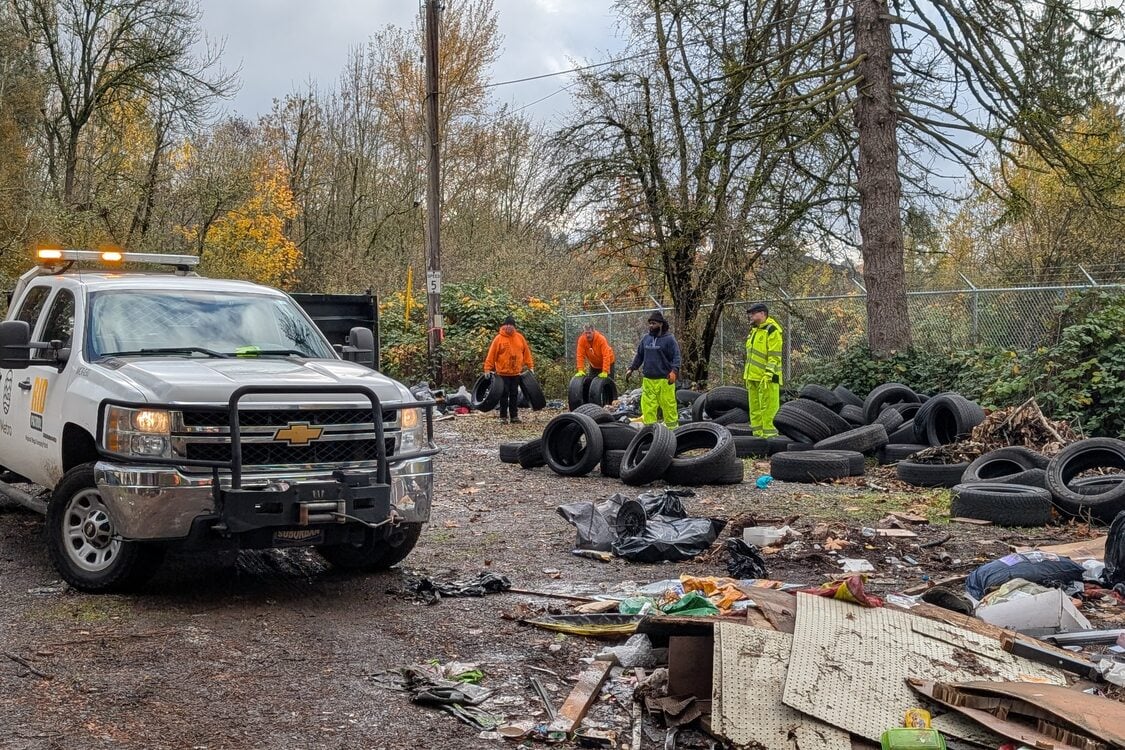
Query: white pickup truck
[163,408]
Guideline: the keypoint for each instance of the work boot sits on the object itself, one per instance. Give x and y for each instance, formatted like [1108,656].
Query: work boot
[516,420]
[503,419]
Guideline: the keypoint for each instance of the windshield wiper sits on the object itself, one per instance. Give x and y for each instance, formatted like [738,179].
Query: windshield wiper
[251,352]
[170,350]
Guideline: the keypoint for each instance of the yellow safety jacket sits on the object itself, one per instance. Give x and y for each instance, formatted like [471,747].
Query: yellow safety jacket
[763,353]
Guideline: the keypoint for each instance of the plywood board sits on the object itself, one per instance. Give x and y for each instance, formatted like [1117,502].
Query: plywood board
[849,666]
[1088,549]
[749,675]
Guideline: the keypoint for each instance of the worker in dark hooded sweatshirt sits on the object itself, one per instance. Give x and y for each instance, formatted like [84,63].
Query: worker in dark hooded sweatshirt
[507,357]
[658,357]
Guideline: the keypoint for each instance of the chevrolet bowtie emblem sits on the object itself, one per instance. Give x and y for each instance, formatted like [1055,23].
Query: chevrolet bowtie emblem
[298,433]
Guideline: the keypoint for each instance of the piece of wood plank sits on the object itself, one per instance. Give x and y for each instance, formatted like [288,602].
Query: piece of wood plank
[778,607]
[756,619]
[1101,717]
[973,521]
[904,533]
[923,587]
[583,695]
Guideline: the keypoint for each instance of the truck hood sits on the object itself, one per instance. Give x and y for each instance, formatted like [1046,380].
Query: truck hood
[211,381]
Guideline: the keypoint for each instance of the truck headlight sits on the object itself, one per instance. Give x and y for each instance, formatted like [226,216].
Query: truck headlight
[144,433]
[413,433]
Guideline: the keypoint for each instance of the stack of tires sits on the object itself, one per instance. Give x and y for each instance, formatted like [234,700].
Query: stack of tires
[1016,486]
[488,390]
[575,443]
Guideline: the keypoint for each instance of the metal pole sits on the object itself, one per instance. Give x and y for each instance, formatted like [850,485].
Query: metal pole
[434,323]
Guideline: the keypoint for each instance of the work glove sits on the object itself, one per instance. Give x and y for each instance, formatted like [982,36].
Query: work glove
[603,374]
[628,374]
[488,374]
[671,377]
[580,374]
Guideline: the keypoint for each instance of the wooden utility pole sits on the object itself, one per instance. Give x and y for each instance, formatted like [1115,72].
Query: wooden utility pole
[434,324]
[880,188]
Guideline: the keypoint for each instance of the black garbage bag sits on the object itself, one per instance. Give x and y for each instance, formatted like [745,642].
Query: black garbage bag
[431,590]
[1115,552]
[595,523]
[461,397]
[745,560]
[670,539]
[666,503]
[1044,568]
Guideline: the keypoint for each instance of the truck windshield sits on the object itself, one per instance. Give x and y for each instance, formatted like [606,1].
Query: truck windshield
[193,323]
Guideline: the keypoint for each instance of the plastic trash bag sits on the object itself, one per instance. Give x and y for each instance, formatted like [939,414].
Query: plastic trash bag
[691,604]
[744,559]
[595,523]
[670,539]
[1044,568]
[460,397]
[1115,552]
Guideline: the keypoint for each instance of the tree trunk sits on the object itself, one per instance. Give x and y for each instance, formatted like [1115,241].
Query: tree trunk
[880,190]
[71,166]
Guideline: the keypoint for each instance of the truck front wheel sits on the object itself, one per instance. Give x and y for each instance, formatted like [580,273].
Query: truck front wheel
[84,545]
[379,550]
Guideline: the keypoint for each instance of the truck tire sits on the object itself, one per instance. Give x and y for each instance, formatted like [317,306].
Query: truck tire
[931,475]
[1076,458]
[572,444]
[83,543]
[377,551]
[531,388]
[1003,504]
[602,391]
[649,455]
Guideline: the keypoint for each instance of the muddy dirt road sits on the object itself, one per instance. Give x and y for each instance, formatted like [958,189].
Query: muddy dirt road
[276,650]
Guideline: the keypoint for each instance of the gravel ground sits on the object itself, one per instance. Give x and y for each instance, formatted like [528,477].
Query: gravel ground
[275,649]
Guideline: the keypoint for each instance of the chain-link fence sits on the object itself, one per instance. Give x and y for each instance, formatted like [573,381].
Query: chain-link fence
[818,328]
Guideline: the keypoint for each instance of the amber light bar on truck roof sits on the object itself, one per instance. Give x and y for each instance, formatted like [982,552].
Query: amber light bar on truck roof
[52,255]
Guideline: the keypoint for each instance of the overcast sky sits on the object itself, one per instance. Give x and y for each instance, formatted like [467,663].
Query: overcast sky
[281,45]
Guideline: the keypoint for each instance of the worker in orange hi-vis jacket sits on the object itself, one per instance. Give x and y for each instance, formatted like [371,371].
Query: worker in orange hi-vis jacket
[594,355]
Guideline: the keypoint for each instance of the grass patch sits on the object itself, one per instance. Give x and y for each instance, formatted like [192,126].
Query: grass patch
[85,611]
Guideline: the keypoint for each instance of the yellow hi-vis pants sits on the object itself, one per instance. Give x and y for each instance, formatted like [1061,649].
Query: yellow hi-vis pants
[658,393]
[765,398]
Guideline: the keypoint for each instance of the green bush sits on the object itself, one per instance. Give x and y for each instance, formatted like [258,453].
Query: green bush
[473,314]
[1079,378]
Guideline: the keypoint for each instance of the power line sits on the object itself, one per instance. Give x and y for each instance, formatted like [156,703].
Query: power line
[571,70]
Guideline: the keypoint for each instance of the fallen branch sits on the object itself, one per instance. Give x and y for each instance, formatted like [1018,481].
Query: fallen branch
[27,665]
[936,543]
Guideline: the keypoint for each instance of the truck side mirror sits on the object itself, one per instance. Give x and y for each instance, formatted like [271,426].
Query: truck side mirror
[360,347]
[15,345]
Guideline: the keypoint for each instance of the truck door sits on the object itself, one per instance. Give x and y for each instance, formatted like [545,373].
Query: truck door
[13,397]
[44,383]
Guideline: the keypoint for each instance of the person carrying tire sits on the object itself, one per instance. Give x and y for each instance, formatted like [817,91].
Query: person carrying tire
[594,355]
[507,357]
[763,369]
[658,357]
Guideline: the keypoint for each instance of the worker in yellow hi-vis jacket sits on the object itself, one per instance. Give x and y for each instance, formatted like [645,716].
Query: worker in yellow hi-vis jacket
[763,369]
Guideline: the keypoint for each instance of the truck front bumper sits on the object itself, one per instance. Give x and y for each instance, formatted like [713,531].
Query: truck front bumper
[150,503]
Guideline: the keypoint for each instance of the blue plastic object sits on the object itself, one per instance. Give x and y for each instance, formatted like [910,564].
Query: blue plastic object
[763,481]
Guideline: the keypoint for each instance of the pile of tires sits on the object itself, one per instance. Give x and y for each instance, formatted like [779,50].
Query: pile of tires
[1086,479]
[487,392]
[590,389]
[574,443]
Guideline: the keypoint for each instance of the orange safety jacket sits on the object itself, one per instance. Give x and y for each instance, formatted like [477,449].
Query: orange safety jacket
[508,354]
[597,352]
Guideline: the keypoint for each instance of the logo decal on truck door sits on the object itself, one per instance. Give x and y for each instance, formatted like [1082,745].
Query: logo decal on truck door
[38,402]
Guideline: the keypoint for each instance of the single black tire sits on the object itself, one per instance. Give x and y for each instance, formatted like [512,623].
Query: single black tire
[846,395]
[699,409]
[1096,485]
[1003,462]
[888,393]
[732,473]
[739,429]
[895,452]
[530,454]
[611,463]
[853,414]
[821,395]
[686,396]
[596,413]
[534,392]
[83,543]
[1073,460]
[864,439]
[777,444]
[616,436]
[1029,477]
[572,444]
[931,475]
[1002,504]
[808,422]
[748,446]
[890,418]
[951,417]
[576,391]
[509,453]
[649,455]
[380,549]
[857,464]
[602,391]
[904,434]
[717,444]
[727,397]
[922,417]
[734,416]
[809,466]
[487,392]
